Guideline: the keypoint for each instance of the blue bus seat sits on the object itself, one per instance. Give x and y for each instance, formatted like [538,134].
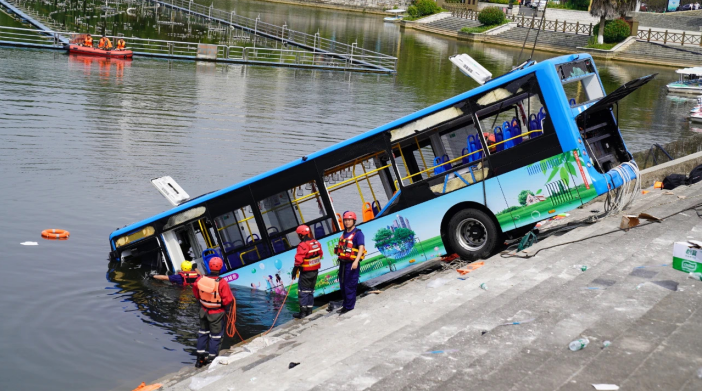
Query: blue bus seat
[534,124]
[446,166]
[466,159]
[542,115]
[376,207]
[516,131]
[508,134]
[319,230]
[252,238]
[498,138]
[437,168]
[210,253]
[470,148]
[278,245]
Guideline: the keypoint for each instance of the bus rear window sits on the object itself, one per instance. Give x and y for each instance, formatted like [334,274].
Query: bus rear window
[580,82]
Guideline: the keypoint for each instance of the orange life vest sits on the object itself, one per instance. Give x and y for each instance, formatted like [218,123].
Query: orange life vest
[120,44]
[88,41]
[345,249]
[209,292]
[311,260]
[189,277]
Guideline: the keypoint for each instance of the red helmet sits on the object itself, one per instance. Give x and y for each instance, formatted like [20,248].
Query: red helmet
[216,264]
[349,215]
[303,230]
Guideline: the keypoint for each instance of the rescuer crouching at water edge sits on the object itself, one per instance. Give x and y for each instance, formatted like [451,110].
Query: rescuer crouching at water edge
[215,300]
[186,277]
[351,251]
[307,262]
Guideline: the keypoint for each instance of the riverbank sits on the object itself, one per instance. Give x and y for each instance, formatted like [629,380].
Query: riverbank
[437,331]
[369,7]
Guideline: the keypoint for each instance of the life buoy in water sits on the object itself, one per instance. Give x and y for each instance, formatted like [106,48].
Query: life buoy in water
[55,234]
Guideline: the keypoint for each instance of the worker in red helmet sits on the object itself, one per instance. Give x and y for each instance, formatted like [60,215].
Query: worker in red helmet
[215,301]
[351,250]
[307,261]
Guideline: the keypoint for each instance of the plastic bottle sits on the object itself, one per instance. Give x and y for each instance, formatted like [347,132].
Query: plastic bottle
[483,286]
[696,276]
[581,267]
[606,344]
[578,344]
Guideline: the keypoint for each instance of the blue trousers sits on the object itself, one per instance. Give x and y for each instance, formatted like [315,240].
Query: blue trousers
[209,337]
[348,281]
[306,289]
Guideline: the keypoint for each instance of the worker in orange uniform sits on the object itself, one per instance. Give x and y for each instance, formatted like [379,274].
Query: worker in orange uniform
[185,277]
[88,41]
[105,43]
[121,44]
[351,250]
[215,301]
[307,262]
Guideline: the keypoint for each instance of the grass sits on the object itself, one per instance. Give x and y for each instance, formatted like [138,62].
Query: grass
[481,29]
[604,46]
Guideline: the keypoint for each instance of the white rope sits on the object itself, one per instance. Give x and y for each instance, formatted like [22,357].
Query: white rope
[627,193]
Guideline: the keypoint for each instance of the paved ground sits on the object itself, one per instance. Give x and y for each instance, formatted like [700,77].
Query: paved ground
[439,332]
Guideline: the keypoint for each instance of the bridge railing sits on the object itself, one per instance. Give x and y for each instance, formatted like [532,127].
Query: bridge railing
[281,33]
[29,36]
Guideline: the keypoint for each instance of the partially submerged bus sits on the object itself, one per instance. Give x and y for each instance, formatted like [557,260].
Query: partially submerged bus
[455,177]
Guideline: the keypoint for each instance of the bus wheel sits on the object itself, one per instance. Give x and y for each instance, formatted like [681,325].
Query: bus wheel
[472,234]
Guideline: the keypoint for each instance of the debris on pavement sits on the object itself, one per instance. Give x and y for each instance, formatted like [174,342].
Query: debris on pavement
[483,286]
[578,344]
[293,365]
[518,323]
[606,387]
[470,267]
[437,283]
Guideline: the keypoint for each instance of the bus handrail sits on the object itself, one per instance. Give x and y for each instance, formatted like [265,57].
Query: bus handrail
[241,255]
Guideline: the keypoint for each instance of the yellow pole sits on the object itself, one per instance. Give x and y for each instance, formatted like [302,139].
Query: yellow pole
[357,185]
[369,183]
[421,154]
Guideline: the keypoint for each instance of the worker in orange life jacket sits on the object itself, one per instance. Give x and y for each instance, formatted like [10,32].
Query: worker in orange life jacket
[88,41]
[307,262]
[105,43]
[215,301]
[186,277]
[121,44]
[351,250]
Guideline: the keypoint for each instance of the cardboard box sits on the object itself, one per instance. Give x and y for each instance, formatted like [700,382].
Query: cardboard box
[687,256]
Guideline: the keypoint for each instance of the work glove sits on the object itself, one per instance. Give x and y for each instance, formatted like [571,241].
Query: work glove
[295,271]
[194,266]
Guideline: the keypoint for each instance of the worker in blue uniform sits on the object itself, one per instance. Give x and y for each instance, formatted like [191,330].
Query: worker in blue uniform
[351,250]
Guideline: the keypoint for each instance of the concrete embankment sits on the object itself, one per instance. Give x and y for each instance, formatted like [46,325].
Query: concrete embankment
[370,6]
[440,332]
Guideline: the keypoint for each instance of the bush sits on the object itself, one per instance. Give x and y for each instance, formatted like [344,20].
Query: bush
[615,31]
[491,16]
[413,11]
[426,7]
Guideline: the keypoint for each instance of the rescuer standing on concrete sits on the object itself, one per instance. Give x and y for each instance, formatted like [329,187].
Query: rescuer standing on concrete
[308,261]
[185,277]
[351,251]
[215,300]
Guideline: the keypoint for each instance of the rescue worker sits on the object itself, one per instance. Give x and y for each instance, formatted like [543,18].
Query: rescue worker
[105,43]
[88,41]
[215,300]
[186,277]
[307,262]
[351,250]
[121,44]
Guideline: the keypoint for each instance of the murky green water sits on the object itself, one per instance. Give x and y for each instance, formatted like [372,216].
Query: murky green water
[80,138]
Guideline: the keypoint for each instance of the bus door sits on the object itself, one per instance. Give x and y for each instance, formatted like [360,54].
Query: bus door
[537,177]
[194,242]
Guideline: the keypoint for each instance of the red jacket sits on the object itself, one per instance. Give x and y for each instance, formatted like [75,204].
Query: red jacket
[302,249]
[224,292]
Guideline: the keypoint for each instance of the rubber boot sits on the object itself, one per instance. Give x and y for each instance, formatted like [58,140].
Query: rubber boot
[309,311]
[301,314]
[200,361]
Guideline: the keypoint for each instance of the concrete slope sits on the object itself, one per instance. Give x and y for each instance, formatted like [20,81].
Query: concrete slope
[439,332]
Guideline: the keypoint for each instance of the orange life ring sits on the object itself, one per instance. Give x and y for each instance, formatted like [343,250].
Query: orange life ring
[55,234]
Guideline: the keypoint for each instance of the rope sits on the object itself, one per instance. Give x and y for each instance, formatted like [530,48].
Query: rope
[231,322]
[279,310]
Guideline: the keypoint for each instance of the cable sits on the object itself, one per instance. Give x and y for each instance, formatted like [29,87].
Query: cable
[693,207]
[279,310]
[231,322]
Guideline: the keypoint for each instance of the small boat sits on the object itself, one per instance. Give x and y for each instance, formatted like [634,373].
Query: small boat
[92,51]
[396,16]
[696,112]
[690,81]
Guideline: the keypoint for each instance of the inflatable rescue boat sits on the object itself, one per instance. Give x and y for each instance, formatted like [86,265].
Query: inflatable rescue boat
[91,51]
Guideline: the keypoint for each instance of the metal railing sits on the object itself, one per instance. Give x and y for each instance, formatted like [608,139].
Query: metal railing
[283,34]
[668,37]
[196,51]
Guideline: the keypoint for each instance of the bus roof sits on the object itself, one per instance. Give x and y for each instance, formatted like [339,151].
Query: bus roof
[398,122]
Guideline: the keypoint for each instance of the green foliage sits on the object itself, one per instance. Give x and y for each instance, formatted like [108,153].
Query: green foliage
[499,1]
[413,11]
[592,43]
[426,7]
[386,238]
[403,234]
[510,209]
[580,5]
[522,197]
[383,237]
[615,31]
[480,29]
[491,16]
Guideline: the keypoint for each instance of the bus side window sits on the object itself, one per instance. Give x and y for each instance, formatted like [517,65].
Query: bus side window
[363,185]
[283,212]
[241,238]
[449,157]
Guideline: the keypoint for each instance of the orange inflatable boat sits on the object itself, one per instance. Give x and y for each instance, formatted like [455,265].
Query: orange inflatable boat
[77,49]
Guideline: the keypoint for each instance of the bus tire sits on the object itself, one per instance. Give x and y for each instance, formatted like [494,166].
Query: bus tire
[472,234]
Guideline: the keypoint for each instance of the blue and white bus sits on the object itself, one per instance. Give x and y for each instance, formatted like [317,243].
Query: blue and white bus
[455,177]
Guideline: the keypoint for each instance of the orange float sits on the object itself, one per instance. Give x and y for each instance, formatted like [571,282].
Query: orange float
[55,234]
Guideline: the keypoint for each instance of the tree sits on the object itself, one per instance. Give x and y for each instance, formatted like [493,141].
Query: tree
[383,237]
[522,197]
[609,9]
